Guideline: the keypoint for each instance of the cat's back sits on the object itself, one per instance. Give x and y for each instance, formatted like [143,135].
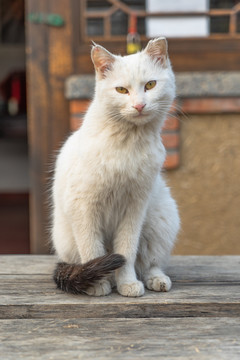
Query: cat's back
[68,153]
[67,161]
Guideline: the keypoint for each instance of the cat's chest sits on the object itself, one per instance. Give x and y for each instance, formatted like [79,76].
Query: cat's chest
[132,160]
[109,169]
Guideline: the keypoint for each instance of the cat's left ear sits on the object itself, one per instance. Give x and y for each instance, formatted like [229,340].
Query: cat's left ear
[102,60]
[157,49]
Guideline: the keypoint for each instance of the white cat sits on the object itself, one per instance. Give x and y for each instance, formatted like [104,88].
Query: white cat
[108,193]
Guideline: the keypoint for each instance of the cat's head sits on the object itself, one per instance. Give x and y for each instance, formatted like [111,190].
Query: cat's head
[137,88]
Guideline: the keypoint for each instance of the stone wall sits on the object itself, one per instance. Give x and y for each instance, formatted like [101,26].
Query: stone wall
[207,185]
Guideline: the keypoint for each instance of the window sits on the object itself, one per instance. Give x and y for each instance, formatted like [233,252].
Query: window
[108,20]
[215,47]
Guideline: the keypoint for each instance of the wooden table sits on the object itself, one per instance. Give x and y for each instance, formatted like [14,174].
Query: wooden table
[198,319]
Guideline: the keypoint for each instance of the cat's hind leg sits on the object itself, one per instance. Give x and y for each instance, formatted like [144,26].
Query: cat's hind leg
[62,238]
[156,280]
[87,230]
[67,250]
[157,239]
[101,288]
[126,244]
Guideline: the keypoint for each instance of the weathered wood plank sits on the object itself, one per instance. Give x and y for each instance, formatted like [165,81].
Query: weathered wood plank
[41,290]
[27,264]
[198,318]
[181,268]
[210,288]
[189,338]
[115,310]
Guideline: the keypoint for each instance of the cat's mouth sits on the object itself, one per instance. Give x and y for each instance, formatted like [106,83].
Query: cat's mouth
[140,119]
[140,115]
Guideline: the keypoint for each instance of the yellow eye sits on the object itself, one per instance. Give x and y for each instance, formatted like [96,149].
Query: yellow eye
[150,85]
[122,90]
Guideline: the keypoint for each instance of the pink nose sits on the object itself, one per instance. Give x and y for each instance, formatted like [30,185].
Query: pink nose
[139,107]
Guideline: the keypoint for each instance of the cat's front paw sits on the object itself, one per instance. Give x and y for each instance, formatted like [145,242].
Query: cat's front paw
[101,288]
[159,283]
[133,289]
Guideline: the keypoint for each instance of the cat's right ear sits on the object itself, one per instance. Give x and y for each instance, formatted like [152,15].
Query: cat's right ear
[157,49]
[102,60]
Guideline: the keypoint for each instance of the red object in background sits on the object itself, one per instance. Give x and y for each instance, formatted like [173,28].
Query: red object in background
[16,88]
[133,24]
[133,38]
[13,88]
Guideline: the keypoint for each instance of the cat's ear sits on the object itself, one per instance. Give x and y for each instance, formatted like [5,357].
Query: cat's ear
[157,49]
[102,60]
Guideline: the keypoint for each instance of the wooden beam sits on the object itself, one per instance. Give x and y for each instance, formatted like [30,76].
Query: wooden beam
[49,62]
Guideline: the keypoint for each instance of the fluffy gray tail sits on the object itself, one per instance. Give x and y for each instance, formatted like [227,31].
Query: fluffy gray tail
[77,278]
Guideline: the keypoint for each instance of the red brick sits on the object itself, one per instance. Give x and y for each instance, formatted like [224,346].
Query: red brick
[172,160]
[174,106]
[79,106]
[171,140]
[171,123]
[211,105]
[75,122]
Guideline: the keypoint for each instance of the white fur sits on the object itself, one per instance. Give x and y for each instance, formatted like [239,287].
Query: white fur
[108,192]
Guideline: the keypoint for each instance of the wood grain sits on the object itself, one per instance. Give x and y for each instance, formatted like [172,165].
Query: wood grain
[201,338]
[49,62]
[186,54]
[185,268]
[202,287]
[197,319]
